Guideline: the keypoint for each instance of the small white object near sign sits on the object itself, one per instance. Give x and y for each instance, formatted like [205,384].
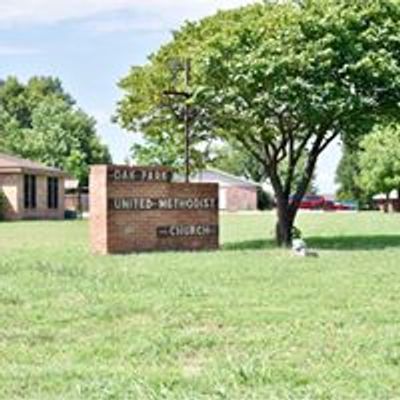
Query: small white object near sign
[299,248]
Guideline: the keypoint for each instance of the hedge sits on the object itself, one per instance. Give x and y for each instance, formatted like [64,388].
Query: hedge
[2,204]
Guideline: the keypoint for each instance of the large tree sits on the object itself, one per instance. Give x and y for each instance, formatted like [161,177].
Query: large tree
[39,120]
[281,80]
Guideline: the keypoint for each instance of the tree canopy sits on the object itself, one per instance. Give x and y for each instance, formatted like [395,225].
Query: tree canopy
[40,121]
[279,81]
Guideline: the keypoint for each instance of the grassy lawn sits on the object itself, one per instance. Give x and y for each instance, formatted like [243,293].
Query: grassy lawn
[247,322]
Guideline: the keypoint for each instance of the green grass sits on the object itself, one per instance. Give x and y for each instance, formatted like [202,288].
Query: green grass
[247,322]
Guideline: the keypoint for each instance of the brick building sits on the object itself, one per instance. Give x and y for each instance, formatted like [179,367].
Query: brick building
[32,190]
[235,194]
[389,202]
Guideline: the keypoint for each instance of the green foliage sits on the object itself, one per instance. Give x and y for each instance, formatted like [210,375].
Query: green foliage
[296,233]
[240,163]
[2,204]
[160,118]
[297,174]
[265,200]
[236,162]
[280,79]
[347,176]
[323,68]
[40,121]
[379,160]
[166,150]
[247,322]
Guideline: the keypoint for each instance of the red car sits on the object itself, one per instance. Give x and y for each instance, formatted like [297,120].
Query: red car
[311,202]
[315,202]
[337,206]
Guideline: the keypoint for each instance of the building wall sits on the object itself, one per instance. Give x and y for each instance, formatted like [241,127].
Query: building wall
[391,205]
[9,184]
[77,202]
[235,194]
[241,198]
[13,187]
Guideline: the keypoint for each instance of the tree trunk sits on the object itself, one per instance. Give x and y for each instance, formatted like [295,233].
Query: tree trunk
[284,226]
[387,205]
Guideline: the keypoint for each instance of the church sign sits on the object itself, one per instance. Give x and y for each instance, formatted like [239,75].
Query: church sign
[135,209]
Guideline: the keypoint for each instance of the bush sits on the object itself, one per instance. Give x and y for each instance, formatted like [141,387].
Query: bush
[2,205]
[264,200]
[69,214]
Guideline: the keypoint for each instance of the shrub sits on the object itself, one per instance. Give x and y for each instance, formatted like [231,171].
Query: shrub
[264,200]
[2,204]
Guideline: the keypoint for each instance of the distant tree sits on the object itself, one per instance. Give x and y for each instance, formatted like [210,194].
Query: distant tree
[66,137]
[168,150]
[40,121]
[379,160]
[346,174]
[282,79]
[347,177]
[236,162]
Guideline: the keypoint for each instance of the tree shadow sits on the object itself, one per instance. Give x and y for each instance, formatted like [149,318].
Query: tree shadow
[249,245]
[342,243]
[354,242]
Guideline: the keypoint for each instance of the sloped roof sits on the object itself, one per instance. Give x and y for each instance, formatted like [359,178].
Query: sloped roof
[10,163]
[393,195]
[71,184]
[224,178]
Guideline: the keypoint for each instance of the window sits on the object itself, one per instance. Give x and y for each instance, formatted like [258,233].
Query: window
[29,191]
[52,192]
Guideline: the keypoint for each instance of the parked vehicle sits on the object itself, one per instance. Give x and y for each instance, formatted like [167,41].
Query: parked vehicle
[311,202]
[336,206]
[316,202]
[329,205]
[350,205]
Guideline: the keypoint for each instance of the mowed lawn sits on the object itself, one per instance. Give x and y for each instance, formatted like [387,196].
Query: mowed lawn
[247,322]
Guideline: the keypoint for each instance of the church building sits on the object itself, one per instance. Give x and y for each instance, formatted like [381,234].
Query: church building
[30,190]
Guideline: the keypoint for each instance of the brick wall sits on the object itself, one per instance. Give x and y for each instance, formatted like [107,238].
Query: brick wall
[391,205]
[98,223]
[241,198]
[124,231]
[10,184]
[42,211]
[76,202]
[13,187]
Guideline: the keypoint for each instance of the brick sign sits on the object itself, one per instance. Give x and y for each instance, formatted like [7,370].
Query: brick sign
[135,209]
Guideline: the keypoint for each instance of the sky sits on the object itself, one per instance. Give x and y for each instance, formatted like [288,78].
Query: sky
[91,44]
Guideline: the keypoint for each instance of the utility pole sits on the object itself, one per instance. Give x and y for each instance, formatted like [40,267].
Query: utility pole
[187,121]
[186,94]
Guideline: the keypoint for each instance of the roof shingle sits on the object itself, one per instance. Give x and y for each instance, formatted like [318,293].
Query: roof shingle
[10,163]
